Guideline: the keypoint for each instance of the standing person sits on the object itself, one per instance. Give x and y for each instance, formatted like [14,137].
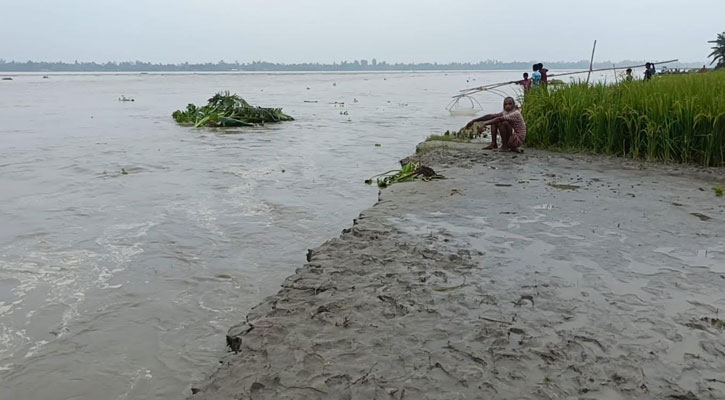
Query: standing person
[509,124]
[525,83]
[649,71]
[703,69]
[629,76]
[544,74]
[536,76]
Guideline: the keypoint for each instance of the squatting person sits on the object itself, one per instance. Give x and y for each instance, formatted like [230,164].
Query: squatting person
[509,124]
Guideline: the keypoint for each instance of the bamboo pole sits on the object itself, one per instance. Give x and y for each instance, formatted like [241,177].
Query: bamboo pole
[591,62]
[466,92]
[610,68]
[490,85]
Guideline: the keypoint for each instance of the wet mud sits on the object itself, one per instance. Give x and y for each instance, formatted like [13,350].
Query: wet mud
[520,276]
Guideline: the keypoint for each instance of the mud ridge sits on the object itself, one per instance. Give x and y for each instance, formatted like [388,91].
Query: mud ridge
[496,283]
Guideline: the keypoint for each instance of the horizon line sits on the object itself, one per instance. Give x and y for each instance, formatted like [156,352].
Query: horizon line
[366,62]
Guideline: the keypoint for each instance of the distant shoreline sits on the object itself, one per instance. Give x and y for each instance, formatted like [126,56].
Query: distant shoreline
[356,66]
[176,73]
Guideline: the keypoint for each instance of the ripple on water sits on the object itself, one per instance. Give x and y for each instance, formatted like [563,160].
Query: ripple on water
[222,205]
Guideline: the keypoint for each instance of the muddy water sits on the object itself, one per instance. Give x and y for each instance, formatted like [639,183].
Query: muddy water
[121,286]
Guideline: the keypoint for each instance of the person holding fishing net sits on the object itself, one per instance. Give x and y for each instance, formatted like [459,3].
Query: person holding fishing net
[509,124]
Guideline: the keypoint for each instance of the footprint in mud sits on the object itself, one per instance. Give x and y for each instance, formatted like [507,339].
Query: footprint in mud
[705,322]
[520,301]
[702,217]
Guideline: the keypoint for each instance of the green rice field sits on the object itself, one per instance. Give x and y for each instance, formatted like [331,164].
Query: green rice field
[676,118]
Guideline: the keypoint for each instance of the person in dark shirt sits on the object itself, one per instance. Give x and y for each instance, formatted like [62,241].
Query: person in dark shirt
[544,74]
[649,71]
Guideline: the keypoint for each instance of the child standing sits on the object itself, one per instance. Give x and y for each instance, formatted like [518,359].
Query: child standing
[525,83]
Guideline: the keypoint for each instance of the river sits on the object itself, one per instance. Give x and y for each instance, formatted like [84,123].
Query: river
[129,244]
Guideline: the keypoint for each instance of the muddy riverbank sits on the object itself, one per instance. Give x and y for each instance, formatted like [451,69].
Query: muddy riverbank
[532,276]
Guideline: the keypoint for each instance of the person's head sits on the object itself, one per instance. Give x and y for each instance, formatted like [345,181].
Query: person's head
[648,65]
[535,67]
[526,75]
[509,104]
[629,71]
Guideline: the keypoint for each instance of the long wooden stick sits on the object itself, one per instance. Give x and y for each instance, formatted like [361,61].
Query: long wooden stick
[490,85]
[591,62]
[466,92]
[610,68]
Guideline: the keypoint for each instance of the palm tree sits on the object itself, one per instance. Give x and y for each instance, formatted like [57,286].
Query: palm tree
[718,50]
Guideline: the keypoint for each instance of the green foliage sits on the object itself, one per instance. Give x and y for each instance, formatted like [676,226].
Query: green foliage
[678,118]
[446,137]
[462,135]
[718,190]
[225,109]
[409,172]
[718,50]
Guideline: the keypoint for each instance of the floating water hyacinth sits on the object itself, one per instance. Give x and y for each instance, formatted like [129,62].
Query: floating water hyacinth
[225,109]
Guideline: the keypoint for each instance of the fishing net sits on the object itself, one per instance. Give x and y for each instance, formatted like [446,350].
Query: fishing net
[464,105]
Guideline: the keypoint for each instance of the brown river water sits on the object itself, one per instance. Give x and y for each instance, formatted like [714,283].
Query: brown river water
[122,286]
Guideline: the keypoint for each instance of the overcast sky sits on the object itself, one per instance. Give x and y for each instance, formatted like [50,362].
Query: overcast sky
[334,30]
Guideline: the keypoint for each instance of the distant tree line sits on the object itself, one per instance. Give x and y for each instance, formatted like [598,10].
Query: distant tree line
[357,65]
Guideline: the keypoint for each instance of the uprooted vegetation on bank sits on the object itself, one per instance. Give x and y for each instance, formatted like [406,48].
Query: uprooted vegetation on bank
[462,135]
[226,110]
[679,118]
[410,171]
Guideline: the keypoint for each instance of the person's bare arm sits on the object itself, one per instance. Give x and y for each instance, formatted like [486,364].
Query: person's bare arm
[494,121]
[481,119]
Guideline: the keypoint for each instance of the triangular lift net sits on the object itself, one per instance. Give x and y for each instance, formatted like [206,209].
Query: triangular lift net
[464,105]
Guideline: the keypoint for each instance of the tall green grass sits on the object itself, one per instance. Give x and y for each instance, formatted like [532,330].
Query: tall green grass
[678,118]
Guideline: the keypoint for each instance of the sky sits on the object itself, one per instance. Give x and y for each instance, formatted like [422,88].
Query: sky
[291,31]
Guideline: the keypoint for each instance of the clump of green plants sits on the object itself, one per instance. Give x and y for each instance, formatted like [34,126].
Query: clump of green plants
[677,118]
[462,135]
[718,190]
[225,109]
[446,137]
[409,172]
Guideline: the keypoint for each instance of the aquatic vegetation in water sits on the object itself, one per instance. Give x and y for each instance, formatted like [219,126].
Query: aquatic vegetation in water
[225,109]
[409,172]
[674,118]
[718,190]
